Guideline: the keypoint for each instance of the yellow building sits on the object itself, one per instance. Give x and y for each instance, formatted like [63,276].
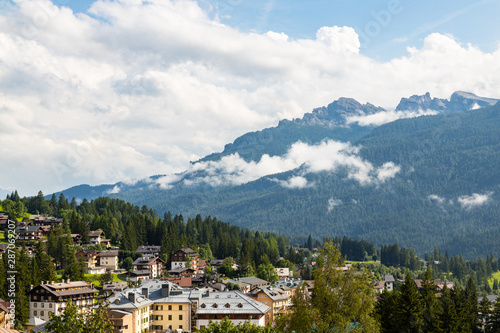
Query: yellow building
[275,298]
[139,308]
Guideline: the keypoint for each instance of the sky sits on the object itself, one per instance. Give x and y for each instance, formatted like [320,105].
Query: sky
[95,92]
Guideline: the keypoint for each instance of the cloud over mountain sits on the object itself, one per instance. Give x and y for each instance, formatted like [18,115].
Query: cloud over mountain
[134,88]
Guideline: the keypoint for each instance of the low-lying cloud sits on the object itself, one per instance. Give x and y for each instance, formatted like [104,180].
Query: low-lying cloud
[466,202]
[385,117]
[327,156]
[475,200]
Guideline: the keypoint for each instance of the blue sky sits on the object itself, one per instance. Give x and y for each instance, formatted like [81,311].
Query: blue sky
[121,90]
[382,36]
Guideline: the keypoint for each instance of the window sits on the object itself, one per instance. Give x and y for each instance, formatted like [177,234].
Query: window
[50,313]
[34,313]
[180,327]
[169,317]
[50,305]
[35,305]
[180,307]
[180,317]
[41,313]
[170,307]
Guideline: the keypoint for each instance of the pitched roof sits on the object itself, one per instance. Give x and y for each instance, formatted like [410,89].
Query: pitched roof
[230,302]
[108,253]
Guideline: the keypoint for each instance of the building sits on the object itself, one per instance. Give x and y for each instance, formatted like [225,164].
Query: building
[4,221]
[246,284]
[108,259]
[89,258]
[97,237]
[177,309]
[52,298]
[179,258]
[235,305]
[147,268]
[276,298]
[134,312]
[149,250]
[29,233]
[283,273]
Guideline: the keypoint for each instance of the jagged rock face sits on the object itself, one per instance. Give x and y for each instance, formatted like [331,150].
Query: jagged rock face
[460,101]
[422,102]
[337,112]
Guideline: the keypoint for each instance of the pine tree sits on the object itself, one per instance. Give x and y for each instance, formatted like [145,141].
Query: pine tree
[386,311]
[432,308]
[484,313]
[409,312]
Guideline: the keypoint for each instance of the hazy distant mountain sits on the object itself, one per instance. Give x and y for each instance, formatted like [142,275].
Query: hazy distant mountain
[459,101]
[420,182]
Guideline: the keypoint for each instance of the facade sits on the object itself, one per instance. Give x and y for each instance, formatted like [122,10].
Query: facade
[178,259]
[235,305]
[283,273]
[173,308]
[148,268]
[108,259]
[28,233]
[149,250]
[97,237]
[275,298]
[89,258]
[48,299]
[138,312]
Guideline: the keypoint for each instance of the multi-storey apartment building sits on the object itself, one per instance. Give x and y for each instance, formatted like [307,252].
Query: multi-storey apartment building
[52,298]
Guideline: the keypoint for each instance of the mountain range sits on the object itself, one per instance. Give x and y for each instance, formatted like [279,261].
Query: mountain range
[426,173]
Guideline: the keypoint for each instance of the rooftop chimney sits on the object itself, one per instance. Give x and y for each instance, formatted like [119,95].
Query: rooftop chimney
[145,292]
[131,297]
[165,290]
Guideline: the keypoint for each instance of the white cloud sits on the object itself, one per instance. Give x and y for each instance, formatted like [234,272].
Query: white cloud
[173,85]
[385,117]
[332,203]
[436,198]
[116,189]
[327,156]
[295,182]
[474,200]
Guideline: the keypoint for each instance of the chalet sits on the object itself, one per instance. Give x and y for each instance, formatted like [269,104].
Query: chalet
[179,258]
[147,268]
[89,258]
[29,233]
[111,288]
[97,237]
[183,271]
[276,298]
[52,298]
[149,250]
[182,281]
[248,283]
[44,220]
[108,259]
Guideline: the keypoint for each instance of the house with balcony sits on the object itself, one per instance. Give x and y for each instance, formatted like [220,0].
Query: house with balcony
[179,259]
[29,233]
[276,298]
[52,298]
[145,268]
[98,237]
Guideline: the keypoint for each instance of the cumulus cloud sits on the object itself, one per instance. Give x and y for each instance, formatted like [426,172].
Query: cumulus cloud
[327,156]
[332,203]
[170,84]
[475,200]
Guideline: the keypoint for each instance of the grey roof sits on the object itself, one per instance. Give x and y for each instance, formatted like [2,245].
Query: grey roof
[389,278]
[108,253]
[35,321]
[145,260]
[27,229]
[276,294]
[178,294]
[121,301]
[230,302]
[148,248]
[41,328]
[253,280]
